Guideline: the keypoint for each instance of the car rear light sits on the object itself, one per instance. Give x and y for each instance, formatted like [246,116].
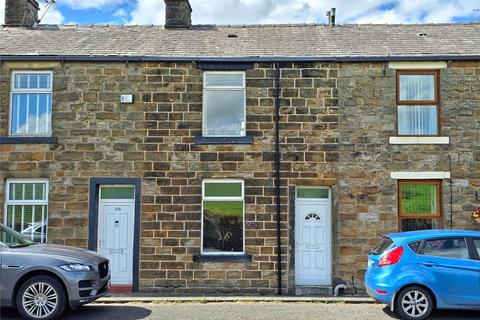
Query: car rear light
[381,291]
[391,257]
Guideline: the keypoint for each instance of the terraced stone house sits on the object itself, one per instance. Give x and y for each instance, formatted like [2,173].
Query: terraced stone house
[255,159]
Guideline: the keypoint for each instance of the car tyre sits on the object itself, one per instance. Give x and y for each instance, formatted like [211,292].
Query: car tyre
[41,297]
[414,303]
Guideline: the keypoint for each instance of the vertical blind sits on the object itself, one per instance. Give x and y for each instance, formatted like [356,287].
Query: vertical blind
[31,104]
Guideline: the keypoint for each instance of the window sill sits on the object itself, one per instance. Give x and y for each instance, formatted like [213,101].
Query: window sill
[223,140]
[222,258]
[28,140]
[419,140]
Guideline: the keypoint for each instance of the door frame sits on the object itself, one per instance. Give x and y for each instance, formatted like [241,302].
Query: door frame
[329,228]
[93,207]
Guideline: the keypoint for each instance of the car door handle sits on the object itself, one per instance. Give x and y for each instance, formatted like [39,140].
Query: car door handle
[430,264]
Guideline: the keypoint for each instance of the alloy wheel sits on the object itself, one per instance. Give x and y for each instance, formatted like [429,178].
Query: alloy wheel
[40,300]
[415,304]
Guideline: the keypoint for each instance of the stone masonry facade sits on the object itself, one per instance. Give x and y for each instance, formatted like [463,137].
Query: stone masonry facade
[335,124]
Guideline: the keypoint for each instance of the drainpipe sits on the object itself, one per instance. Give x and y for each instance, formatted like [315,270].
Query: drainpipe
[451,191]
[277,174]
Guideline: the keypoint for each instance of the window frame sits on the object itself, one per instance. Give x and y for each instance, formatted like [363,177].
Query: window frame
[435,102]
[14,90]
[209,198]
[223,88]
[26,202]
[402,216]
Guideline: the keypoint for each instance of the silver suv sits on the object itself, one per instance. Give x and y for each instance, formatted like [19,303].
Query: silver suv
[41,280]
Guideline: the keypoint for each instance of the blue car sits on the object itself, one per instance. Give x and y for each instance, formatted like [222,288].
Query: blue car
[418,271]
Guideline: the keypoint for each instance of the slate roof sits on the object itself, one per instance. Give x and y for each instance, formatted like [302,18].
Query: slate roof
[295,40]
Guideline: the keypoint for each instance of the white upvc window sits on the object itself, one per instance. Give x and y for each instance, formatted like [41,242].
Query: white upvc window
[31,103]
[223,218]
[26,207]
[224,104]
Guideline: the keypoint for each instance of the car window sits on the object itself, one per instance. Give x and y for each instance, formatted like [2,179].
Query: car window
[446,248]
[476,242]
[384,245]
[414,246]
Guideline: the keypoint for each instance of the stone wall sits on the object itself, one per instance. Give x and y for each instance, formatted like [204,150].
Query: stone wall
[335,123]
[368,196]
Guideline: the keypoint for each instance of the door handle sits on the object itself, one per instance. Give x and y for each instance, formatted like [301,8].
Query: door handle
[430,264]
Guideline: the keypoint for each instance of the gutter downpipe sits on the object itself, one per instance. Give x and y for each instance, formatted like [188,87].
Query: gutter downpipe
[277,175]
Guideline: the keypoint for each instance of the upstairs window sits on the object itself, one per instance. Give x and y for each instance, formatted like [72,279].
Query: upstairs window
[31,103]
[222,217]
[26,208]
[417,103]
[419,204]
[223,104]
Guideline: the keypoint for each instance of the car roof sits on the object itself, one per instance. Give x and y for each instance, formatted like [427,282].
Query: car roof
[425,234]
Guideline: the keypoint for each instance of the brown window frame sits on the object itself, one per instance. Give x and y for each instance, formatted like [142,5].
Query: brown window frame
[402,216]
[435,101]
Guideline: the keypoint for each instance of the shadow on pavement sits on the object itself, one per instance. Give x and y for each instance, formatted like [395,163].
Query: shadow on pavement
[91,312]
[442,314]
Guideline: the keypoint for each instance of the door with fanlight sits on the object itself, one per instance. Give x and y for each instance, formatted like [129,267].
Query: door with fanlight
[313,237]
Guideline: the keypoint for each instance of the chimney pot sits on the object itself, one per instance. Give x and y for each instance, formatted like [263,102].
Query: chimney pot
[21,13]
[178,14]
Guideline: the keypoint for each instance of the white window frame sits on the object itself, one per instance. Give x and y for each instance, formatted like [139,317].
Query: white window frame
[239,198]
[14,90]
[224,88]
[26,202]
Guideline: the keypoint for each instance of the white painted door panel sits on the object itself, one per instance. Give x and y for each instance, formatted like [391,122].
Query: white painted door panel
[312,242]
[115,240]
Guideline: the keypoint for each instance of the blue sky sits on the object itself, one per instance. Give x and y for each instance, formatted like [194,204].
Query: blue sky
[263,11]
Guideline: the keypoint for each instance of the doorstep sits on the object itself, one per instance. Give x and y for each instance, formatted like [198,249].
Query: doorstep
[121,288]
[135,298]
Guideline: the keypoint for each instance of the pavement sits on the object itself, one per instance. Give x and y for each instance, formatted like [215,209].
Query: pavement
[120,298]
[238,310]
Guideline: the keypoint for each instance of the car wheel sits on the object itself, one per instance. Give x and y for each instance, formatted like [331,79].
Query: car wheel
[41,297]
[414,303]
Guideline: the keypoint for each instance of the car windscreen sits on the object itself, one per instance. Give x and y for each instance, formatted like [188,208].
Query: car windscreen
[13,239]
[384,245]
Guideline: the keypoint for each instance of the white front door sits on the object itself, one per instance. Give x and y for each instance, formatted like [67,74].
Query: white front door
[313,264]
[115,231]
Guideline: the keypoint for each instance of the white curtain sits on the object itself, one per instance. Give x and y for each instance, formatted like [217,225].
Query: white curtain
[417,120]
[417,87]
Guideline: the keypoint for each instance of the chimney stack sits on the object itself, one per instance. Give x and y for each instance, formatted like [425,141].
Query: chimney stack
[178,14]
[21,13]
[331,17]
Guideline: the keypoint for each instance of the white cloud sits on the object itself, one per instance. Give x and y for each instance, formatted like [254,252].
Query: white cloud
[278,11]
[53,15]
[298,11]
[121,13]
[2,11]
[89,4]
